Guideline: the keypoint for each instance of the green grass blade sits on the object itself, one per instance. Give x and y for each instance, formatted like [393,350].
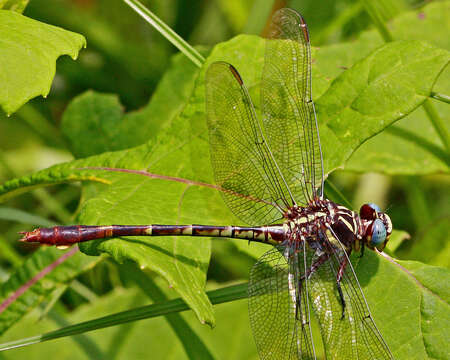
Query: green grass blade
[167,32]
[377,19]
[437,123]
[219,296]
[338,23]
[8,253]
[11,214]
[193,345]
[259,15]
[84,342]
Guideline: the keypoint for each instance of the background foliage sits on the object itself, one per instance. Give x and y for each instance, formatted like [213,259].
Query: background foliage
[127,102]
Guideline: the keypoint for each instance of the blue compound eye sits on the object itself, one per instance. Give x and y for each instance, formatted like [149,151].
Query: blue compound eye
[378,233]
[375,207]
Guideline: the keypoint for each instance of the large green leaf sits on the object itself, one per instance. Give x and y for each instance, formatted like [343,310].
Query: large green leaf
[384,87]
[411,146]
[403,300]
[28,53]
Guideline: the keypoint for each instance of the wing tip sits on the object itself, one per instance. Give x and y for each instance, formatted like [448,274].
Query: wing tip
[236,74]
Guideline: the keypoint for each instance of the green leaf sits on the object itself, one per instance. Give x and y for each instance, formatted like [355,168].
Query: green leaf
[402,296]
[411,145]
[92,114]
[15,304]
[133,199]
[28,52]
[432,285]
[384,87]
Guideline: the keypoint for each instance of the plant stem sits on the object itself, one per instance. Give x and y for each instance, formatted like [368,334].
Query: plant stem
[337,23]
[193,345]
[167,32]
[440,97]
[377,20]
[230,293]
[437,123]
[87,345]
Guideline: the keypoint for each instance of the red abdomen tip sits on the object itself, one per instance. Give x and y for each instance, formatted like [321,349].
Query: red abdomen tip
[31,236]
[58,235]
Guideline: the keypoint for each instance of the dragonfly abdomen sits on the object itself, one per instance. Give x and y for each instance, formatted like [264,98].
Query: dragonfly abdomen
[69,235]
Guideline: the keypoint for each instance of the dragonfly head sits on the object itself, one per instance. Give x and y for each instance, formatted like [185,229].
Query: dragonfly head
[377,225]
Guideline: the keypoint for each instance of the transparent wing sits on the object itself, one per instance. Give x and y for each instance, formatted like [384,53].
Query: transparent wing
[278,306]
[243,164]
[288,110]
[356,335]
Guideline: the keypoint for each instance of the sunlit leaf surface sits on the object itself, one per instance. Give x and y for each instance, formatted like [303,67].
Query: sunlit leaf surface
[28,53]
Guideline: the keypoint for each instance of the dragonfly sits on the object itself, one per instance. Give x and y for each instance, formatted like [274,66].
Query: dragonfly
[269,169]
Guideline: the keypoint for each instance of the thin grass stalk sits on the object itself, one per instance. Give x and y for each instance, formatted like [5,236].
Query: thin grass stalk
[167,32]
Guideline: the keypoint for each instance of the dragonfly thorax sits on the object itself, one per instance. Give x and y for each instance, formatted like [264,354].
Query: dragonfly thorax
[314,221]
[324,218]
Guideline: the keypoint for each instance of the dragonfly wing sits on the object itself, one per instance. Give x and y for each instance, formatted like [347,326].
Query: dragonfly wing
[279,308]
[289,116]
[244,167]
[356,335]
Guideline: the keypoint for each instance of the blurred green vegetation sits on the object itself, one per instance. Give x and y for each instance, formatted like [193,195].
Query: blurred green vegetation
[128,58]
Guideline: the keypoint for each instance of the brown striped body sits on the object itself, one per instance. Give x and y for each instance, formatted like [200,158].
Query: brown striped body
[301,224]
[69,235]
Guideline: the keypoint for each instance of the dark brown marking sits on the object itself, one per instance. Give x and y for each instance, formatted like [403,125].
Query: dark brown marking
[304,28]
[277,233]
[206,230]
[165,230]
[236,74]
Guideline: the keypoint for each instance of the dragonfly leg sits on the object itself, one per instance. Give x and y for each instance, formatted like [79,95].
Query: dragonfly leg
[340,273]
[298,302]
[320,260]
[362,250]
